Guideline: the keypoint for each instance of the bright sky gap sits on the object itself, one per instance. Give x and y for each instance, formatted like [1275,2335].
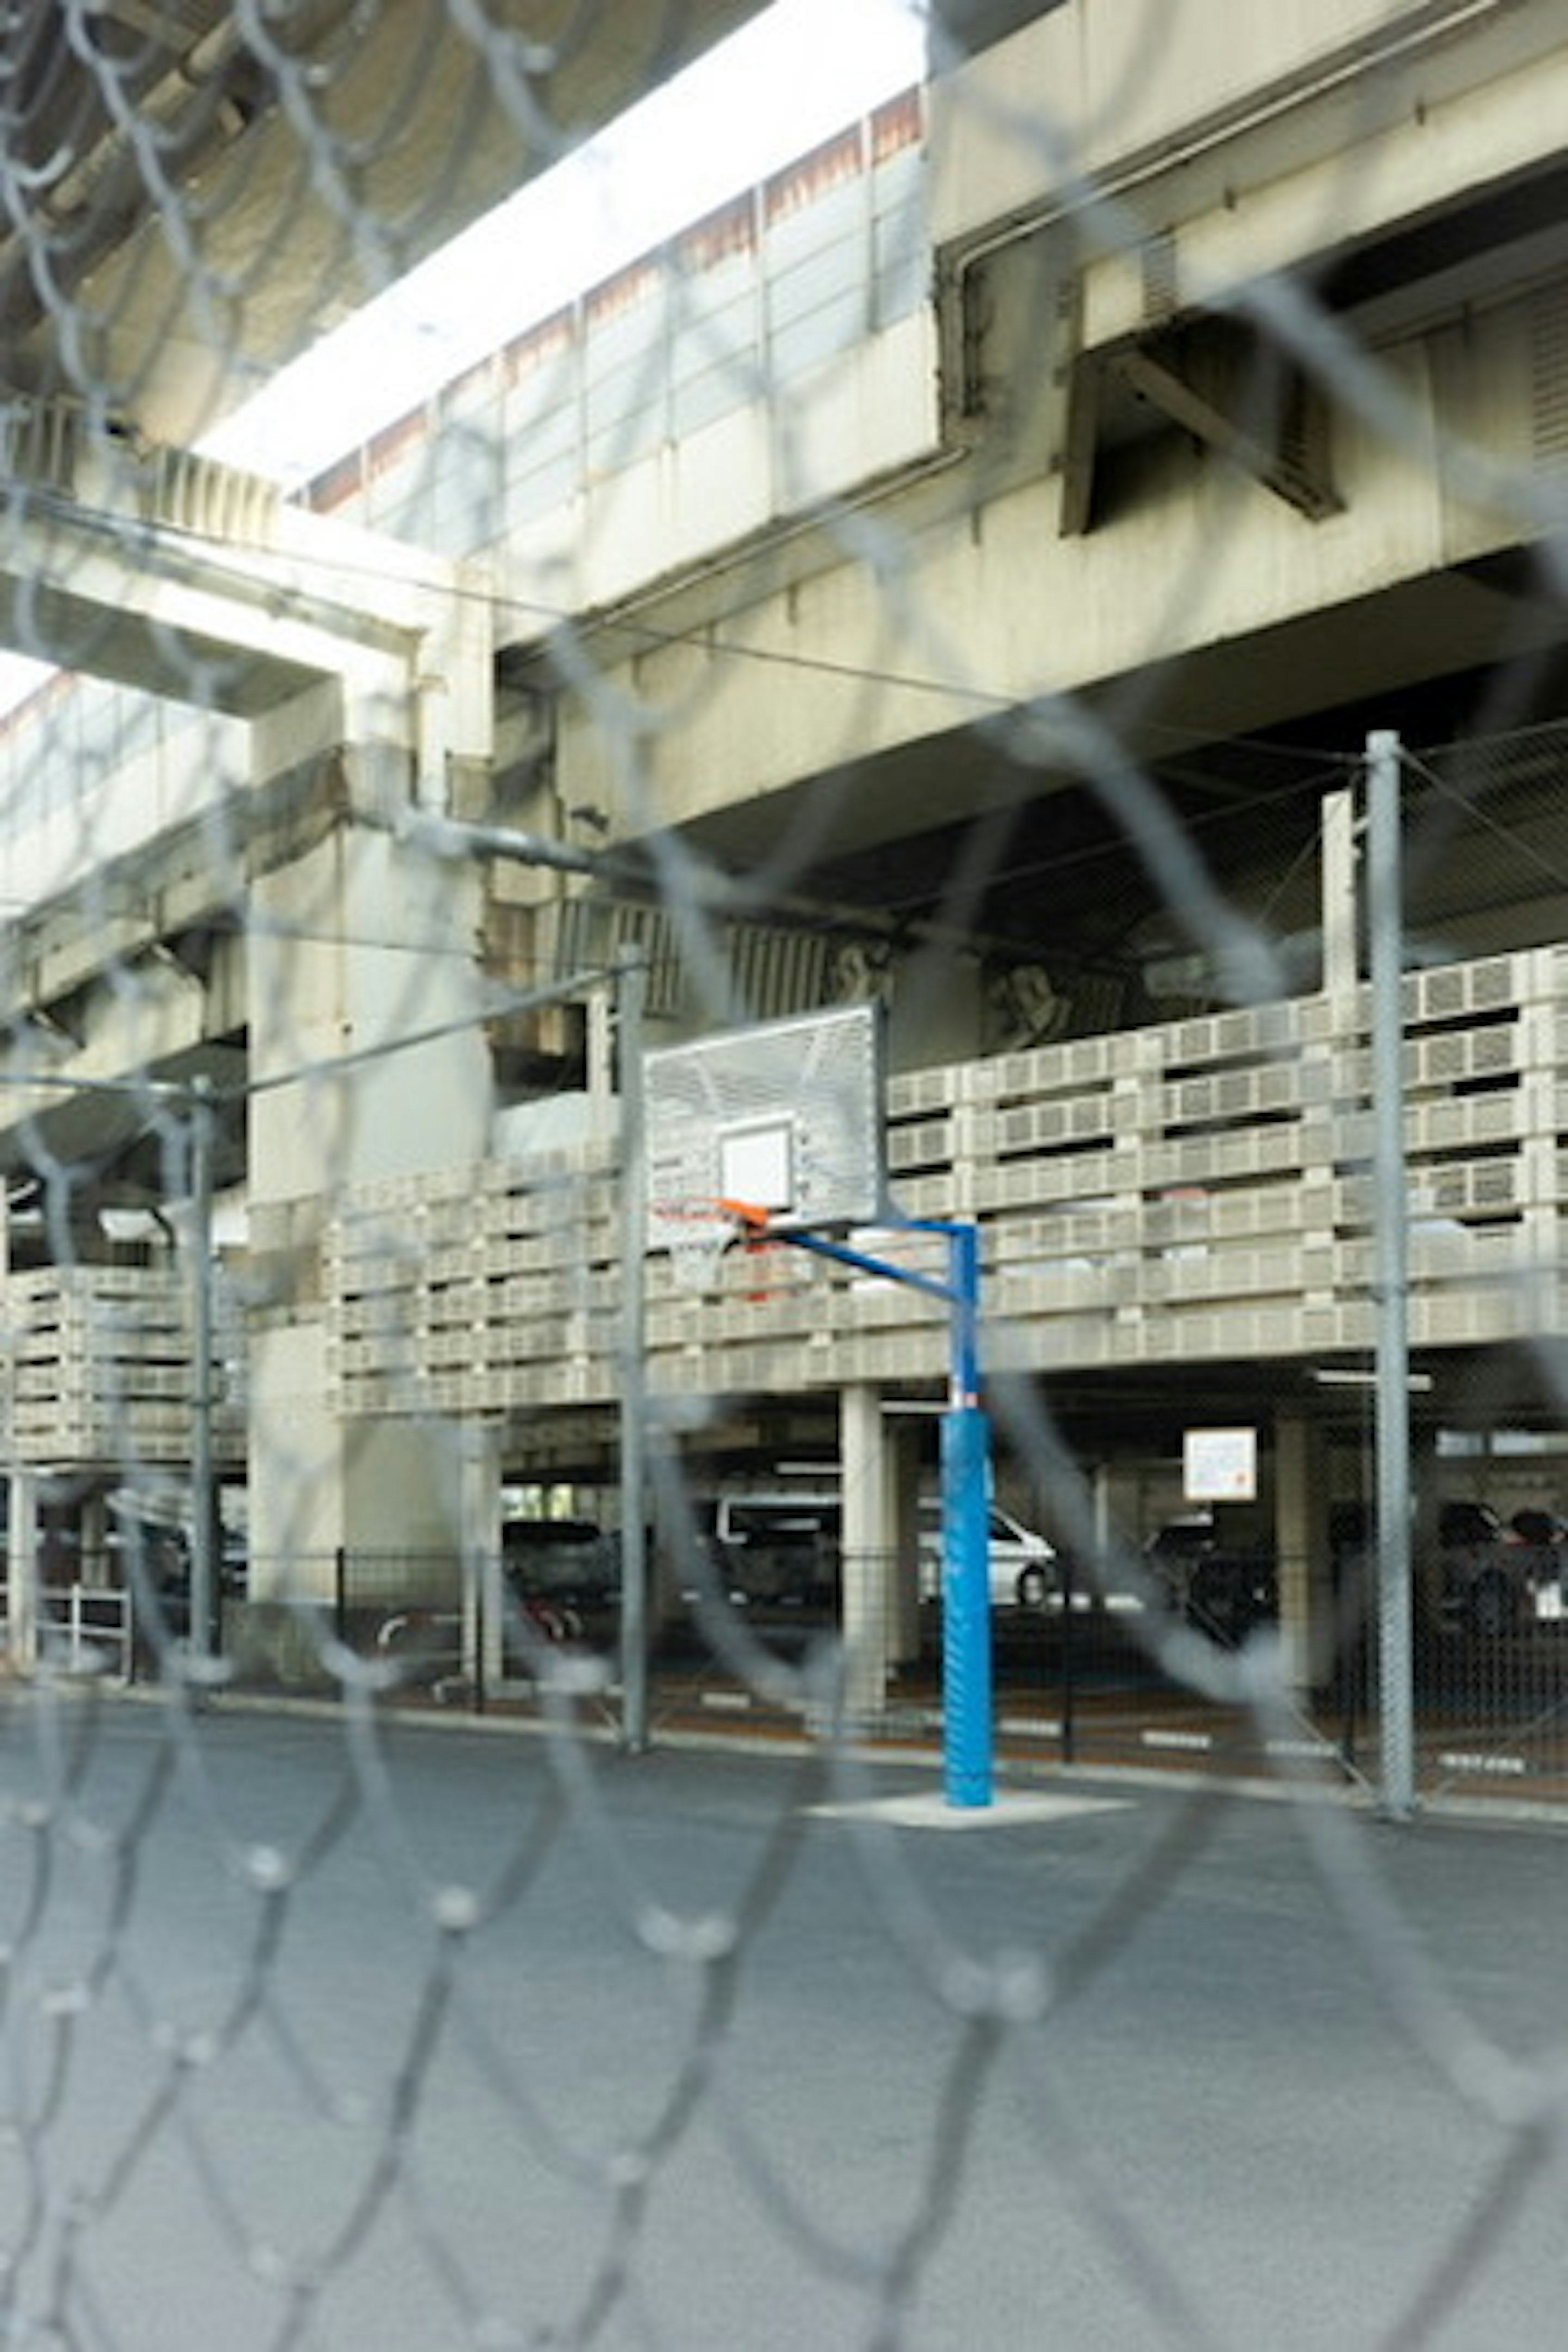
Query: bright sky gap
[796,74]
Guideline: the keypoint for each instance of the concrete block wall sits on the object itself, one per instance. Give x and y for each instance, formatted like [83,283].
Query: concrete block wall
[1193,1190]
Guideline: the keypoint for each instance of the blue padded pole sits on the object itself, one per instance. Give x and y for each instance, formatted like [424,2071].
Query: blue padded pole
[967,1742]
[967,1737]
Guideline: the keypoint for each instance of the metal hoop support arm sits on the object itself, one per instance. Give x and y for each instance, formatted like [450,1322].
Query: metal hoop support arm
[968,1745]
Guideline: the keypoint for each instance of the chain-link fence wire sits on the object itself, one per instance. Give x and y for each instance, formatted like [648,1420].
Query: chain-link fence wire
[334,806]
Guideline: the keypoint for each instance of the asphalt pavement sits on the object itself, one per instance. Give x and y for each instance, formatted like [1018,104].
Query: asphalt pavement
[378,2035]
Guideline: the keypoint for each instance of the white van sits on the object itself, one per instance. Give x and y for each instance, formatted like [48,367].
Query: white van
[1024,1566]
[788,1547]
[783,1547]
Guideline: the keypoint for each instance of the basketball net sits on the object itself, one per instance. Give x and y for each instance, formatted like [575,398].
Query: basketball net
[698,1233]
[752,1224]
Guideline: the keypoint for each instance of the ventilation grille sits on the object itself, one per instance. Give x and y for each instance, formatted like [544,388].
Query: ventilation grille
[1549,381]
[770,972]
[1158,261]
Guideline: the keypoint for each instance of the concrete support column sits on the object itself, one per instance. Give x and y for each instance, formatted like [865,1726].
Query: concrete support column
[478,1451]
[870,1555]
[1120,1511]
[1341,955]
[22,1569]
[901,1454]
[368,1061]
[1302,1548]
[92,1518]
[1111,1524]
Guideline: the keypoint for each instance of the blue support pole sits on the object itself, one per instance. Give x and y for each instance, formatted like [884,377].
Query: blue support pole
[967,1730]
[967,1741]
[965,1608]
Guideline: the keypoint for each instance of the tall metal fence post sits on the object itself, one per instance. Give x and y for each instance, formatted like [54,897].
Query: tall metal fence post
[1390,1211]
[1069,1662]
[22,1597]
[631,988]
[205,1589]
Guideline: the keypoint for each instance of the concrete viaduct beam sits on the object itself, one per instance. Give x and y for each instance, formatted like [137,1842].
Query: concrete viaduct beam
[365,668]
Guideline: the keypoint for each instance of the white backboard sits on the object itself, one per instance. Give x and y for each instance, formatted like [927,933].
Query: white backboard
[785,1116]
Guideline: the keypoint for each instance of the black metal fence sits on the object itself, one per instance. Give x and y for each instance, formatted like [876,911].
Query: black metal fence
[1078,1677]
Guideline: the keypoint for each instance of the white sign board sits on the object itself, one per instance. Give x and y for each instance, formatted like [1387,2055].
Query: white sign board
[1220,1465]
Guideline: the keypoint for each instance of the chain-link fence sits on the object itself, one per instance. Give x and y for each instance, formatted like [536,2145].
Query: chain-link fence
[1052,534]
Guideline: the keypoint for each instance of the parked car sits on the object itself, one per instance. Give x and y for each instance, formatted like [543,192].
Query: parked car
[1543,1532]
[1222,1589]
[151,1543]
[233,1578]
[1546,1537]
[1489,1573]
[1025,1569]
[1481,1577]
[786,1547]
[572,1562]
[779,1549]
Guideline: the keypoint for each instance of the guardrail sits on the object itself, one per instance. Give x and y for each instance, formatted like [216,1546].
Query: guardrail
[88,1628]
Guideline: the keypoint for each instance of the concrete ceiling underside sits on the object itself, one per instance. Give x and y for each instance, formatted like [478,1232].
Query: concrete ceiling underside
[970,834]
[195,192]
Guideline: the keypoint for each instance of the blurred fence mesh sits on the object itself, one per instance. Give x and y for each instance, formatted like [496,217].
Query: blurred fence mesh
[958,565]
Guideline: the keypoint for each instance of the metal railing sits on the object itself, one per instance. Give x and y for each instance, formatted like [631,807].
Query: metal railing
[1080,1676]
[88,1629]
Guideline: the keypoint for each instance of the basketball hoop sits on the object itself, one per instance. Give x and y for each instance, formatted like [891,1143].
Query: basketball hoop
[752,1227]
[787,1114]
[761,1133]
[751,1221]
[696,1233]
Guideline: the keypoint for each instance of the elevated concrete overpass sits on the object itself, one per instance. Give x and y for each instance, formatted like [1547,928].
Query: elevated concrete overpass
[1048,515]
[1128,378]
[196,194]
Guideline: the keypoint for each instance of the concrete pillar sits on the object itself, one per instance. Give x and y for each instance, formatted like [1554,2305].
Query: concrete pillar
[92,1520]
[901,1440]
[479,1519]
[22,1569]
[1123,1514]
[1301,1548]
[368,1060]
[1112,1526]
[869,1555]
[1341,951]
